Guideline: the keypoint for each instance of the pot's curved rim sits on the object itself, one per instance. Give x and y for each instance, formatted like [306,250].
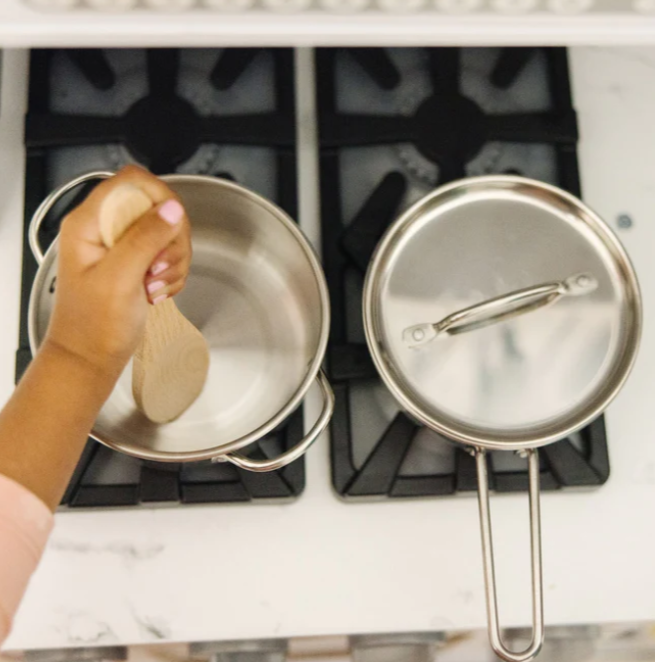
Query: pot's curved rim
[396,286]
[311,374]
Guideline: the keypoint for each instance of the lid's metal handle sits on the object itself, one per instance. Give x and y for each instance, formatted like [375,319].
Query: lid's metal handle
[488,560]
[44,208]
[500,308]
[299,449]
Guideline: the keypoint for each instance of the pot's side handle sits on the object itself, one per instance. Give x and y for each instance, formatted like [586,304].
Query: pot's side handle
[299,449]
[488,558]
[50,201]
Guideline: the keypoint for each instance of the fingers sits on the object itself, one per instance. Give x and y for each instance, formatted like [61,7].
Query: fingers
[166,284]
[178,251]
[170,269]
[132,256]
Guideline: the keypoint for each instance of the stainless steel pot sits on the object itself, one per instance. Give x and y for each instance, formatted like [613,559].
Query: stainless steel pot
[257,292]
[504,314]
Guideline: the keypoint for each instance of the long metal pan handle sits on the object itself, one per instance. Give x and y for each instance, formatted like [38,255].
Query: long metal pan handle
[49,202]
[500,308]
[299,449]
[488,556]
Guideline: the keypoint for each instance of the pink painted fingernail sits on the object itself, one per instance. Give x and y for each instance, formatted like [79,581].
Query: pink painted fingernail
[155,286]
[159,267]
[159,299]
[172,212]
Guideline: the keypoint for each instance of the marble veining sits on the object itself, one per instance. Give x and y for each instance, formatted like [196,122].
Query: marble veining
[125,550]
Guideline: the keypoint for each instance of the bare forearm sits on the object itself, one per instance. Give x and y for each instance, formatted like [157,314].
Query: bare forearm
[47,420]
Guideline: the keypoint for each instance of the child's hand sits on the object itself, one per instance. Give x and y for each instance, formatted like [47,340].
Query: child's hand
[103,294]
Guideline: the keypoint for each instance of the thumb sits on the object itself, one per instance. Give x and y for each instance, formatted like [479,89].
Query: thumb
[134,252]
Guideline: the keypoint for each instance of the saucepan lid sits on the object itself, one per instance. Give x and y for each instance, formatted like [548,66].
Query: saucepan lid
[502,312]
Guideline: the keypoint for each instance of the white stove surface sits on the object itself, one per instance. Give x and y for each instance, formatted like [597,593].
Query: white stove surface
[321,566]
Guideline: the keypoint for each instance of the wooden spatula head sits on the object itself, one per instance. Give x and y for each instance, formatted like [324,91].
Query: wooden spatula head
[172,361]
[170,364]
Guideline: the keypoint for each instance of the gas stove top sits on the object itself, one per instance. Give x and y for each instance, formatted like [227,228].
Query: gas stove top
[393,124]
[234,116]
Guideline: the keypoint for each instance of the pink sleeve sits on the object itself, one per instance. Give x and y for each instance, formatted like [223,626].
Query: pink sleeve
[25,524]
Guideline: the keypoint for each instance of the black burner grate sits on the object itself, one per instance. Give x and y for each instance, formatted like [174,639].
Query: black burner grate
[446,129]
[162,130]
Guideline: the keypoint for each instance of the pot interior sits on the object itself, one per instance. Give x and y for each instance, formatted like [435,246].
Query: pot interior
[256,293]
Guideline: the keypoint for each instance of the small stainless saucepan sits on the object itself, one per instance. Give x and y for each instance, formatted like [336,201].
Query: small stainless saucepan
[503,314]
[257,292]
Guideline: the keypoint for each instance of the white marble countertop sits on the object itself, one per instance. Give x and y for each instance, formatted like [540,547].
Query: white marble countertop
[321,566]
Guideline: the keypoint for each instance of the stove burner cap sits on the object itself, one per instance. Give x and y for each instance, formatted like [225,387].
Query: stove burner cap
[162,132]
[450,128]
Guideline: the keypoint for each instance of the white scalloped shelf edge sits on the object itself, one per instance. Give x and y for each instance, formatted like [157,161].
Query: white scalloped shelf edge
[21,25]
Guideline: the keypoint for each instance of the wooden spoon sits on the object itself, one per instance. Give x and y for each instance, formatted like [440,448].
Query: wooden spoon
[172,360]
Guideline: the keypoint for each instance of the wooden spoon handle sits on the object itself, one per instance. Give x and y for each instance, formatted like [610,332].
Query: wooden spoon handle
[119,210]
